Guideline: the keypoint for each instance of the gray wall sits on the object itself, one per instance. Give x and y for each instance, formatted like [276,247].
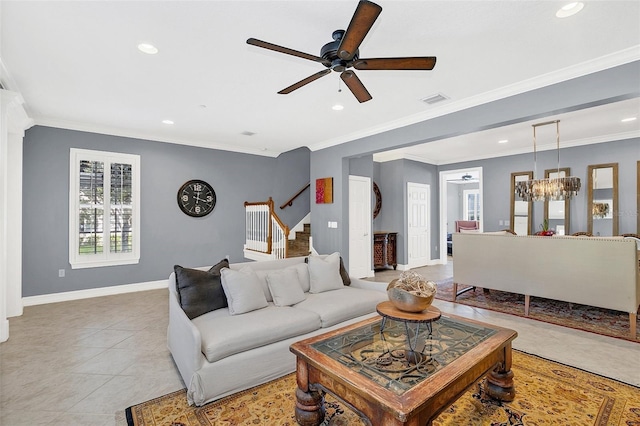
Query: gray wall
[291,175]
[496,174]
[602,87]
[168,236]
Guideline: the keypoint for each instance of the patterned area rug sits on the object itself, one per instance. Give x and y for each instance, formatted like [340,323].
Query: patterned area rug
[547,393]
[581,317]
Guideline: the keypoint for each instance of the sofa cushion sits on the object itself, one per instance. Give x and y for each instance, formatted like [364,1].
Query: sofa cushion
[340,305]
[303,275]
[243,290]
[346,280]
[224,335]
[262,276]
[199,291]
[324,274]
[285,287]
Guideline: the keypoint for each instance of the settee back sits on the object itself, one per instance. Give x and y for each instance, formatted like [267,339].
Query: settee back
[601,272]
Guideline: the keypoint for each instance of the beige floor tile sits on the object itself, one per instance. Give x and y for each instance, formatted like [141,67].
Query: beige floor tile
[86,360]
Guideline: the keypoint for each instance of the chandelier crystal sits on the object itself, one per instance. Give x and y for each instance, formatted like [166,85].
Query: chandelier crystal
[553,189]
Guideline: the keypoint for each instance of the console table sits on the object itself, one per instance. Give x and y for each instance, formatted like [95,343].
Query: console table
[384,249]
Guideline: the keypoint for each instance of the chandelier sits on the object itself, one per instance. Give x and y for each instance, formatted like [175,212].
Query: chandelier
[554,189]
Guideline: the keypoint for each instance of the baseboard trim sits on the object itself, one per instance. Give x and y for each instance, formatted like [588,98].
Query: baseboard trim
[4,330]
[94,292]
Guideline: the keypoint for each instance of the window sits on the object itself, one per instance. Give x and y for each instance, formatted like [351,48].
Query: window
[104,212]
[471,204]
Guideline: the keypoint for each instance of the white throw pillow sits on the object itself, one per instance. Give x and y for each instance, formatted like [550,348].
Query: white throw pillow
[243,290]
[303,275]
[324,274]
[285,287]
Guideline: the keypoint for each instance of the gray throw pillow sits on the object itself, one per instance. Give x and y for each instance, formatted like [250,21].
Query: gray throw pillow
[346,280]
[324,274]
[199,291]
[285,287]
[243,290]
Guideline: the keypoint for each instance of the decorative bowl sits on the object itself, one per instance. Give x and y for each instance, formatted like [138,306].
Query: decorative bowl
[413,300]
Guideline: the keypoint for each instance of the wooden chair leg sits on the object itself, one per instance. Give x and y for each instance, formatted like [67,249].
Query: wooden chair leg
[633,318]
[527,299]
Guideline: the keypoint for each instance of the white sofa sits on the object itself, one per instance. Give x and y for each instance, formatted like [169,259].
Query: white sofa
[594,271]
[219,353]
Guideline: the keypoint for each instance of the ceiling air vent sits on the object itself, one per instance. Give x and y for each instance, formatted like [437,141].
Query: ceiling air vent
[248,133]
[434,99]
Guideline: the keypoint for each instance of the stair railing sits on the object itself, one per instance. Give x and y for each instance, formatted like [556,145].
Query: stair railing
[265,232]
[290,202]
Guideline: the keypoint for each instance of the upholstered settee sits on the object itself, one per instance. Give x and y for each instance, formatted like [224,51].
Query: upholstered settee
[594,271]
[240,337]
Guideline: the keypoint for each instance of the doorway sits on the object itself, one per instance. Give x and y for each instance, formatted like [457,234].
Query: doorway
[460,196]
[360,240]
[418,225]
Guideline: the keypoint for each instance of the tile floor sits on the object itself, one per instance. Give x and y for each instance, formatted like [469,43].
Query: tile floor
[83,362]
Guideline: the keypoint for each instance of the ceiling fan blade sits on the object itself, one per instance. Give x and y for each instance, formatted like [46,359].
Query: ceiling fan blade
[287,51]
[303,82]
[355,85]
[416,63]
[363,18]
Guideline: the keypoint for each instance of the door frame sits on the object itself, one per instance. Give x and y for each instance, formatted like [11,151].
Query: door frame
[428,223]
[368,224]
[444,175]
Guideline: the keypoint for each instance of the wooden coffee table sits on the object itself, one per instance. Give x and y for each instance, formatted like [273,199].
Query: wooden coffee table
[369,372]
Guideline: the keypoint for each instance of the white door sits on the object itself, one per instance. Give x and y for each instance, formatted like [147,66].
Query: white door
[418,232]
[360,227]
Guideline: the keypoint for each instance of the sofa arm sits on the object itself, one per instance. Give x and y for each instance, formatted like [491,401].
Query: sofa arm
[183,340]
[369,285]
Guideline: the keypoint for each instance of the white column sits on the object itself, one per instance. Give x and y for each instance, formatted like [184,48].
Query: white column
[13,122]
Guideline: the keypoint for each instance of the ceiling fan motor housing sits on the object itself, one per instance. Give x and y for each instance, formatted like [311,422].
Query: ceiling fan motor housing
[330,52]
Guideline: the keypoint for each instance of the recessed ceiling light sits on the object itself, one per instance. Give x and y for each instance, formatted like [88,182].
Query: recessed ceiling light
[503,141]
[569,9]
[337,107]
[148,48]
[167,122]
[628,119]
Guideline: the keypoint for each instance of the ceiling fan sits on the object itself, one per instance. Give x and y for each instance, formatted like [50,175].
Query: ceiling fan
[342,53]
[464,178]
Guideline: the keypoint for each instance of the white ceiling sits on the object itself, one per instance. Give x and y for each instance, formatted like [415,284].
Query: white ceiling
[77,66]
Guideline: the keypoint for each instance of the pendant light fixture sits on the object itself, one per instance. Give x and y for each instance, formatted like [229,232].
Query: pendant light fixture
[553,189]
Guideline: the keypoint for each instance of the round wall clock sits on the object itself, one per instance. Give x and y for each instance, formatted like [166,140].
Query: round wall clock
[196,198]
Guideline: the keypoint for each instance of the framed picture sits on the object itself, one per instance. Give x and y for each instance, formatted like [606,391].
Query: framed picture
[602,209]
[324,190]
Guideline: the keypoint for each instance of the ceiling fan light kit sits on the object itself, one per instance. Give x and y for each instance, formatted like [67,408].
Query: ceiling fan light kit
[342,53]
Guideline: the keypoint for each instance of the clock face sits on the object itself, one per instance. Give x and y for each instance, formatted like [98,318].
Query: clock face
[196,198]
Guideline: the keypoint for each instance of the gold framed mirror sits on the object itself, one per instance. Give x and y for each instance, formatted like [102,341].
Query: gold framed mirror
[602,199]
[521,211]
[558,213]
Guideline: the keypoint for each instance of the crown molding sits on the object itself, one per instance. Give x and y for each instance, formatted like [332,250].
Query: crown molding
[13,107]
[384,157]
[588,67]
[113,131]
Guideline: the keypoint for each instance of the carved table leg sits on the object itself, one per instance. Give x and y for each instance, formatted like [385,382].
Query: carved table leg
[309,407]
[499,383]
[309,401]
